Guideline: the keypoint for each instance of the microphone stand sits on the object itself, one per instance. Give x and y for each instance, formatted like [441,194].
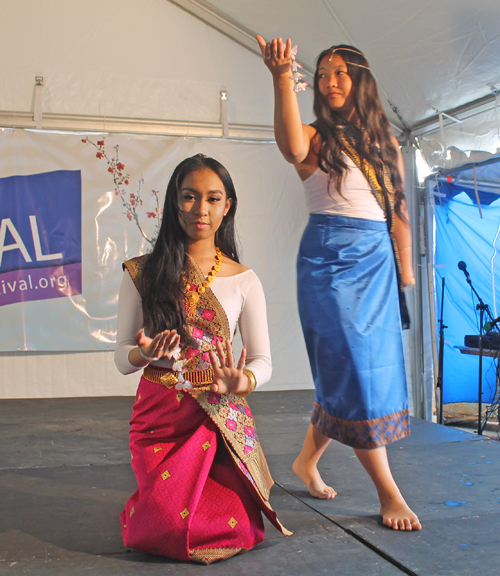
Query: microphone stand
[439,381]
[482,307]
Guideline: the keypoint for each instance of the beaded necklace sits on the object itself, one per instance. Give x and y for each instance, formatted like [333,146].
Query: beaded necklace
[192,296]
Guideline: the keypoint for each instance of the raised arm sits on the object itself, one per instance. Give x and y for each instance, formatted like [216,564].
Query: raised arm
[293,138]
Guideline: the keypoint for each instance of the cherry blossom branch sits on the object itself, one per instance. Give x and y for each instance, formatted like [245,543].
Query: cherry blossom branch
[129,201]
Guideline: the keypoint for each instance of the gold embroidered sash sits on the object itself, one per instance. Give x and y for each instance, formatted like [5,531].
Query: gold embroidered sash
[384,199]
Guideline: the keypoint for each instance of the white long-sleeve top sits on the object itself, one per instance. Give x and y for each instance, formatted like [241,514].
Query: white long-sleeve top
[242,298]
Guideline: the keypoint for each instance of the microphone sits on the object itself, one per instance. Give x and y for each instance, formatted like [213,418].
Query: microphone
[488,326]
[463,266]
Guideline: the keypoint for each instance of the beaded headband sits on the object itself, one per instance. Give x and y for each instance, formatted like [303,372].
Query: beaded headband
[351,63]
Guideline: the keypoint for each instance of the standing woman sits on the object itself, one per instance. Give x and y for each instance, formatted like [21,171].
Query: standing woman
[202,477]
[354,262]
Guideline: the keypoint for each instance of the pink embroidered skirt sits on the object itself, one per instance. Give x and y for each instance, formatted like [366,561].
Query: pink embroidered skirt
[192,503]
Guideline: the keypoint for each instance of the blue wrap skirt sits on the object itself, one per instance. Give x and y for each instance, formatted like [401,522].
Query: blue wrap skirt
[349,310]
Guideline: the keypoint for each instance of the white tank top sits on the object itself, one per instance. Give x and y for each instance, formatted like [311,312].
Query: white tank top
[356,201]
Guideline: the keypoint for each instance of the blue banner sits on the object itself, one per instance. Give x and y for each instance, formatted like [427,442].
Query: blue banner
[40,236]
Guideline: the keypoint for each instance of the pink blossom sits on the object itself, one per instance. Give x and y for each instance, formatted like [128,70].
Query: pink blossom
[129,216]
[99,155]
[100,142]
[126,182]
[120,166]
[84,140]
[150,214]
[110,170]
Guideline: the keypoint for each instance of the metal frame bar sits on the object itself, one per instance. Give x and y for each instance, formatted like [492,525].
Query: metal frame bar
[463,112]
[469,166]
[81,123]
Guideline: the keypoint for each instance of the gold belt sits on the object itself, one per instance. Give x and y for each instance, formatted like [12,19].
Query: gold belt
[169,378]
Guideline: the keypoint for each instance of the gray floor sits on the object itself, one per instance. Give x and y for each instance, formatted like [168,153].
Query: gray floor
[65,475]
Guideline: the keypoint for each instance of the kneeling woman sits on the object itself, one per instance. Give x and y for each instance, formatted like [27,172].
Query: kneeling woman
[202,477]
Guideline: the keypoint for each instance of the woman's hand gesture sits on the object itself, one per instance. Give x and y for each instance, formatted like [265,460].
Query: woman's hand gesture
[277,55]
[163,345]
[227,376]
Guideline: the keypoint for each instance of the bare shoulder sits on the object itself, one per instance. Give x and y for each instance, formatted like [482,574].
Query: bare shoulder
[230,267]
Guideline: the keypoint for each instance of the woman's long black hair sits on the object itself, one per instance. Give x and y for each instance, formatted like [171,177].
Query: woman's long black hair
[373,140]
[162,285]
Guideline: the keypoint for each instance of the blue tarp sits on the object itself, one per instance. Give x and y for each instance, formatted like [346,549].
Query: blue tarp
[462,235]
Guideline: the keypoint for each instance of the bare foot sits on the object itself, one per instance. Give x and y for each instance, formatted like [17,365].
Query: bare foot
[398,516]
[312,479]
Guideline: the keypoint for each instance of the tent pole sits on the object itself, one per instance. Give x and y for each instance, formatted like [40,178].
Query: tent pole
[414,298]
[429,256]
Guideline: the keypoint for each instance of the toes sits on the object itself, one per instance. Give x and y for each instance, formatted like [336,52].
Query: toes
[387,522]
[321,490]
[331,492]
[328,493]
[415,524]
[403,524]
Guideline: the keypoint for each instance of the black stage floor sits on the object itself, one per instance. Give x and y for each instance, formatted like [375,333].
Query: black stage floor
[65,476]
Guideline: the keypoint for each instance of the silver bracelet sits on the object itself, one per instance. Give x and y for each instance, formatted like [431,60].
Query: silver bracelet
[146,357]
